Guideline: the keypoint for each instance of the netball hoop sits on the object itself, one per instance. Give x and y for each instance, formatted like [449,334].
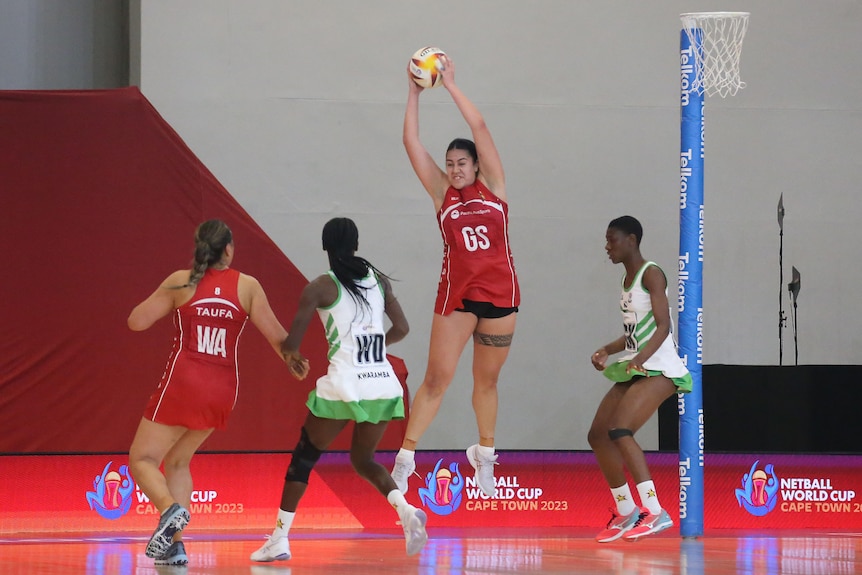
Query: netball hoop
[716,38]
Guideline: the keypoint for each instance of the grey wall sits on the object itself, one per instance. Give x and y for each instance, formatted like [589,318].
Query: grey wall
[297,107]
[63,44]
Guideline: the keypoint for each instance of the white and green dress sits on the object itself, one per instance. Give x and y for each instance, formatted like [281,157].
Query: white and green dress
[360,383]
[639,325]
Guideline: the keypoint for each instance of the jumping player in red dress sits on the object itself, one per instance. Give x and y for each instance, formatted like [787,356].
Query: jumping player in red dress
[210,304]
[477,261]
[478,294]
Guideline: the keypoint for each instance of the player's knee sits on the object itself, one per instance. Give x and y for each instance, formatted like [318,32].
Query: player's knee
[485,382]
[175,464]
[304,457]
[140,460]
[437,382]
[619,432]
[137,466]
[596,437]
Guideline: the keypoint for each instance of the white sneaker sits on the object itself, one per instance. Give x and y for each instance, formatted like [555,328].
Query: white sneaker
[401,472]
[277,549]
[484,467]
[413,520]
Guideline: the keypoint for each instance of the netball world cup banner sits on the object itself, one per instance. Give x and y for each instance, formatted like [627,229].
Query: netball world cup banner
[240,492]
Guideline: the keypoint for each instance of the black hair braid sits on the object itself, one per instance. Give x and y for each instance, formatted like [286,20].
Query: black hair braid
[340,240]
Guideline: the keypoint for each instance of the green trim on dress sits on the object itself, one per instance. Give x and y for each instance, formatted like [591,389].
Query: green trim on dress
[366,410]
[616,372]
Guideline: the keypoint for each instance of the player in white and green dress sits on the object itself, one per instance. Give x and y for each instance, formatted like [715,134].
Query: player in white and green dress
[639,327]
[360,384]
[648,373]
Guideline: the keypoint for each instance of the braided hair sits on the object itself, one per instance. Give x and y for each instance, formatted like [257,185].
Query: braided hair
[211,239]
[340,241]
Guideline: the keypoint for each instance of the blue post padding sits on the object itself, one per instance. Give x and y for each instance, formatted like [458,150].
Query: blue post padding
[690,292]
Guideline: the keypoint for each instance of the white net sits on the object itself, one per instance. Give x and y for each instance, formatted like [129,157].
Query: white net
[717,60]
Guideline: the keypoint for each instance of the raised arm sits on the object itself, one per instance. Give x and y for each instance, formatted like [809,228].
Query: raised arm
[490,165]
[429,173]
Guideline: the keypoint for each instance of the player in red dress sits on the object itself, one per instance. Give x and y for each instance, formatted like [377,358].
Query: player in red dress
[210,304]
[477,261]
[478,294]
[199,387]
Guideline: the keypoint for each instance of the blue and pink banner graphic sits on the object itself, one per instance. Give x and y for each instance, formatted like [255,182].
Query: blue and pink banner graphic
[240,492]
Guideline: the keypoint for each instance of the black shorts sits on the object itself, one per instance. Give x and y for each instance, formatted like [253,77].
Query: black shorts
[484,309]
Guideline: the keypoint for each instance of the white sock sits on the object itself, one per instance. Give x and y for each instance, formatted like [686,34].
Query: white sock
[404,455]
[283,523]
[649,499]
[397,501]
[623,499]
[484,451]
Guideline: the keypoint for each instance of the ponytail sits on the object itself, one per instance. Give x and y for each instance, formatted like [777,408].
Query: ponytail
[211,239]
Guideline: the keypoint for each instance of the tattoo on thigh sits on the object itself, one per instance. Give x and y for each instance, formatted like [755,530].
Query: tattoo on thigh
[493,340]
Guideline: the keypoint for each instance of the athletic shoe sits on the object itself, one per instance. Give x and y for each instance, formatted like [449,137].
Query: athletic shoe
[648,525]
[620,524]
[173,520]
[277,549]
[401,472]
[484,467]
[413,520]
[175,555]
